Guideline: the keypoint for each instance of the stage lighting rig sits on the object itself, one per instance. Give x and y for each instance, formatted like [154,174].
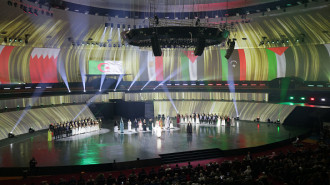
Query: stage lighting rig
[166,33]
[11,135]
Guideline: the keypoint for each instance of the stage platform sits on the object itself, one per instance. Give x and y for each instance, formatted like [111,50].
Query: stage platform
[105,146]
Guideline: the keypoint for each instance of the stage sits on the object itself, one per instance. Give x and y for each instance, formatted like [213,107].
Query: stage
[105,146]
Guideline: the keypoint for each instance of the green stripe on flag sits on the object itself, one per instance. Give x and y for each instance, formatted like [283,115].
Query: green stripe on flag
[93,67]
[272,64]
[185,67]
[224,65]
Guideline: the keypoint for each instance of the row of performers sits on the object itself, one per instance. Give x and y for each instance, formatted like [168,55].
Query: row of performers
[144,125]
[200,118]
[70,128]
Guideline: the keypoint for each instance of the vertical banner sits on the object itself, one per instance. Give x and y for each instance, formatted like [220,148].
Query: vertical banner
[224,65]
[276,62]
[5,52]
[159,68]
[234,66]
[242,62]
[143,65]
[43,65]
[151,66]
[200,67]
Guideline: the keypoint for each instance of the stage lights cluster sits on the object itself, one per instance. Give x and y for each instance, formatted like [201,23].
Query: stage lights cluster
[283,40]
[27,8]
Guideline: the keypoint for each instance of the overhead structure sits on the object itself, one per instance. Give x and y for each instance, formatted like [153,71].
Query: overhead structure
[173,34]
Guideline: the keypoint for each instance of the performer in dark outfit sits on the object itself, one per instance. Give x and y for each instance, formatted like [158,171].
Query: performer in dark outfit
[189,128]
[150,124]
[178,118]
[144,125]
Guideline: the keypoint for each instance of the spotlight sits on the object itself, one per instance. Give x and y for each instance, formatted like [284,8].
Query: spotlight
[322,99]
[31,130]
[11,135]
[84,90]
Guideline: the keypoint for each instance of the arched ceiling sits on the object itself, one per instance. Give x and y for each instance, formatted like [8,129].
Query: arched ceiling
[169,5]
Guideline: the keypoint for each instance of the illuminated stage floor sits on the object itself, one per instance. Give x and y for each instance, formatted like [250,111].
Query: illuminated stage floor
[107,146]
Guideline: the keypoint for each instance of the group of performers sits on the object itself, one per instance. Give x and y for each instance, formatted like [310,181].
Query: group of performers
[206,119]
[70,128]
[145,125]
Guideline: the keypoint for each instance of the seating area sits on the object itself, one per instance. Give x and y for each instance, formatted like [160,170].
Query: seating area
[308,164]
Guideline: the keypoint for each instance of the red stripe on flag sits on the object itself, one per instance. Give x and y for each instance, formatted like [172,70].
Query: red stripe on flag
[159,68]
[4,64]
[278,50]
[242,66]
[43,69]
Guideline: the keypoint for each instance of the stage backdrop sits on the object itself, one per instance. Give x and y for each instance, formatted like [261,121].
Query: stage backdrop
[52,65]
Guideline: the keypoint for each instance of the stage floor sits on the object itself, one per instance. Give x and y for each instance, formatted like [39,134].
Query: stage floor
[105,146]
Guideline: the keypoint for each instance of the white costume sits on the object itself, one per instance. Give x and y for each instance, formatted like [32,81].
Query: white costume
[181,119]
[171,125]
[129,126]
[140,126]
[158,131]
[115,129]
[223,122]
[197,119]
[219,121]
[186,119]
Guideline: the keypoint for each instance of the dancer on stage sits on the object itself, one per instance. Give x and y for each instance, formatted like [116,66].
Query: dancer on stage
[129,125]
[219,121]
[232,122]
[140,125]
[171,125]
[167,123]
[178,118]
[186,119]
[121,126]
[50,137]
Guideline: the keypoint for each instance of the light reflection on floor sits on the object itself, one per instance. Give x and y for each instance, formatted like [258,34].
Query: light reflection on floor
[105,146]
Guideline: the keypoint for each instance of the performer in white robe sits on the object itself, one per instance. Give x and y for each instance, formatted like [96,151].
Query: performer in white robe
[158,131]
[197,119]
[167,123]
[171,125]
[223,121]
[186,119]
[219,121]
[189,119]
[129,125]
[182,119]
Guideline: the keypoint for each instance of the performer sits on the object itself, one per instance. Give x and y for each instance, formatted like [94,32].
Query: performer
[129,125]
[182,119]
[158,130]
[223,121]
[140,125]
[115,127]
[189,128]
[121,126]
[167,123]
[144,125]
[50,138]
[232,122]
[161,123]
[186,119]
[150,124]
[136,125]
[219,121]
[197,119]
[171,125]
[178,118]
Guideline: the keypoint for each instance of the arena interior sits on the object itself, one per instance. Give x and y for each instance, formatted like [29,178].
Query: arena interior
[164,92]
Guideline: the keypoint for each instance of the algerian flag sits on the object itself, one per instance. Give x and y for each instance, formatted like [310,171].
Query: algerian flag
[105,67]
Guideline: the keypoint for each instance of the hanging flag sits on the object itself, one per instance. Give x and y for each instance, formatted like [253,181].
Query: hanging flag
[43,65]
[155,67]
[200,67]
[5,52]
[159,68]
[143,66]
[189,66]
[224,65]
[234,66]
[242,63]
[276,62]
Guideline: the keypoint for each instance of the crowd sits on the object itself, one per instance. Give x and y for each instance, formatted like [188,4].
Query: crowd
[203,118]
[303,167]
[74,127]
